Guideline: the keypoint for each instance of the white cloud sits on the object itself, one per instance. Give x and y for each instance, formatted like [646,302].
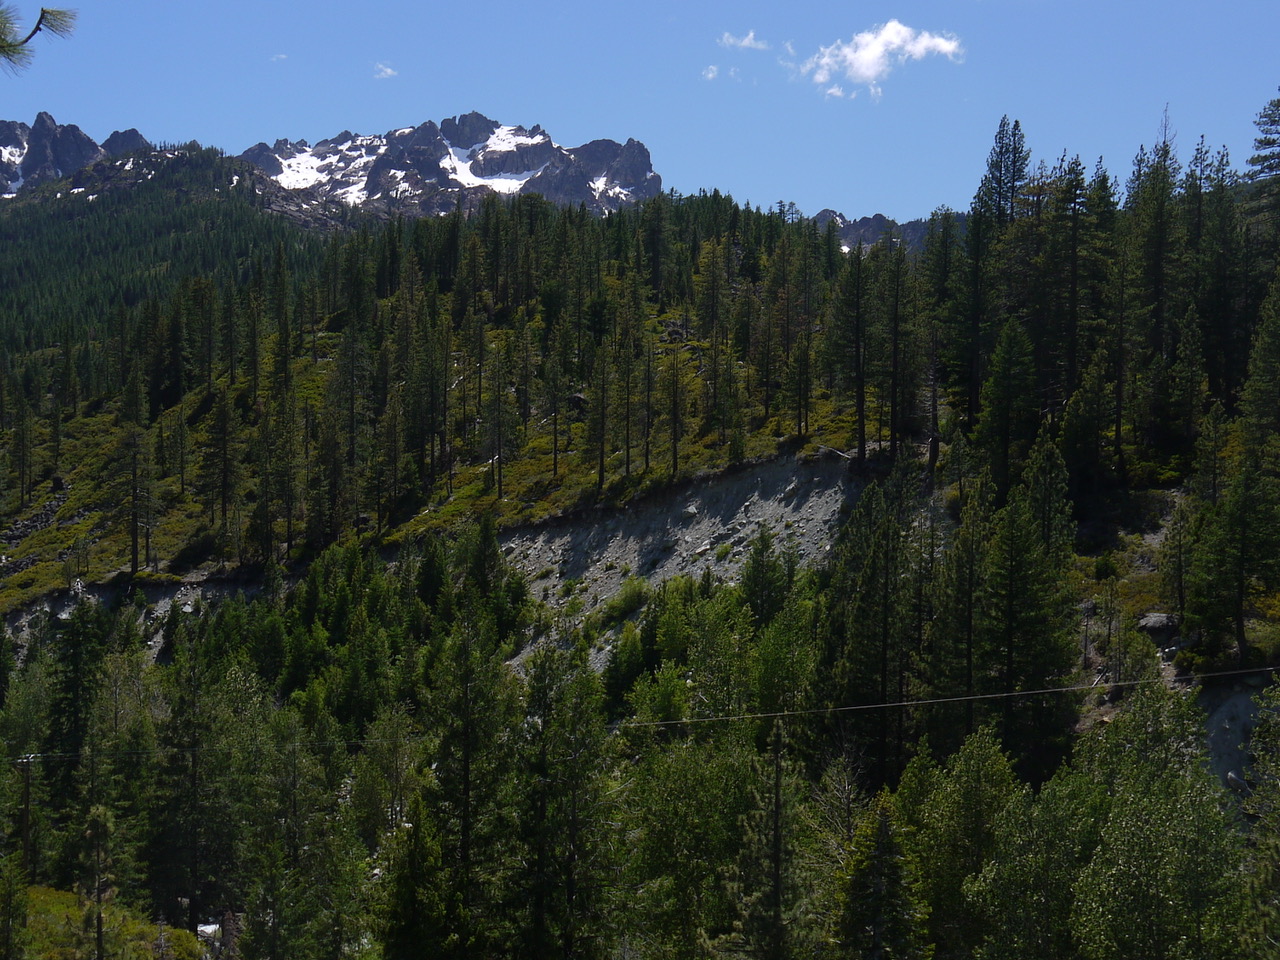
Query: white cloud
[383,71]
[749,42]
[835,90]
[734,74]
[711,72]
[870,56]
[791,51]
[279,56]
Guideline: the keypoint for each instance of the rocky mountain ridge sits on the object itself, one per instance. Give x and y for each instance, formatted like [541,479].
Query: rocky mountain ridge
[865,231]
[432,168]
[48,150]
[425,170]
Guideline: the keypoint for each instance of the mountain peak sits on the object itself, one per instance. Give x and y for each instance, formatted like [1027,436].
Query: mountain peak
[467,130]
[46,150]
[430,168]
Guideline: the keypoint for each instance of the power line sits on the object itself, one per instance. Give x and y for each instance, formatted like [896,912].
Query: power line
[1003,695]
[728,718]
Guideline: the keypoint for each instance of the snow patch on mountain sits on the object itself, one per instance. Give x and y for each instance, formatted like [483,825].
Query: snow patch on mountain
[301,171]
[507,138]
[457,165]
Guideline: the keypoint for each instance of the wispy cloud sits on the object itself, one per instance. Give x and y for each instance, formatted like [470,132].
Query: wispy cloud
[383,71]
[871,55]
[713,73]
[278,57]
[749,42]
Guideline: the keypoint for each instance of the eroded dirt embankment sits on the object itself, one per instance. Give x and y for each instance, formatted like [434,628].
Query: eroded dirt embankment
[588,555]
[704,524]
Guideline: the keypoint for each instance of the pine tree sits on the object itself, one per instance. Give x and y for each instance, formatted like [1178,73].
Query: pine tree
[1235,557]
[880,913]
[952,819]
[415,918]
[1023,643]
[1006,173]
[1265,170]
[1010,411]
[473,702]
[135,493]
[850,343]
[563,806]
[1260,402]
[1167,849]
[1025,891]
[220,470]
[23,450]
[15,52]
[869,635]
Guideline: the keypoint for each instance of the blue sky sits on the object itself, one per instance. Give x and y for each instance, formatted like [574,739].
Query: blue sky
[865,107]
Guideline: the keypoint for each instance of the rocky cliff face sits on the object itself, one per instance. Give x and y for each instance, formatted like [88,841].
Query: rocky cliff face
[47,150]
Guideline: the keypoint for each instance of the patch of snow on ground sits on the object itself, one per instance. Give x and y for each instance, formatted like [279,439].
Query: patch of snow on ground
[458,166]
[354,194]
[505,139]
[300,171]
[12,155]
[601,187]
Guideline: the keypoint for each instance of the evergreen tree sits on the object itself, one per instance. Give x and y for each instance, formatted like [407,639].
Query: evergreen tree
[473,702]
[1010,411]
[1023,643]
[1260,402]
[563,807]
[881,914]
[220,469]
[1265,170]
[15,52]
[951,821]
[1234,558]
[415,918]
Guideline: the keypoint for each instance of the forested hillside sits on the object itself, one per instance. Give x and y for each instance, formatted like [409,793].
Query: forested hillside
[950,739]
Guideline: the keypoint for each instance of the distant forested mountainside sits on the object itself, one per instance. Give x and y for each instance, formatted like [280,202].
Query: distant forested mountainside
[954,738]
